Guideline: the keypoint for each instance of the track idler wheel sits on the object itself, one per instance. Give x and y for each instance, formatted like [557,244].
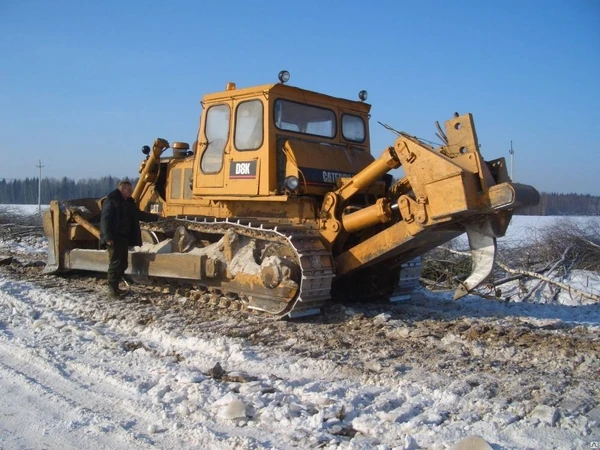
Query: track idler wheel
[271,275]
[274,271]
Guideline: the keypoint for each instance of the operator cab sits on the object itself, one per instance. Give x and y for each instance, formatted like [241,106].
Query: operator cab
[278,140]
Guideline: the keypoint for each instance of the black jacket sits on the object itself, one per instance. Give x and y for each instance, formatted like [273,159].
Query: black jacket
[121,220]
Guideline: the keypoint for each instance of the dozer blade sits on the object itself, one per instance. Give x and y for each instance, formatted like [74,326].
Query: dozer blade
[52,264]
[483,254]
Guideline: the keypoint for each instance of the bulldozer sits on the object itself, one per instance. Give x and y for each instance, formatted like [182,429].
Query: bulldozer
[279,205]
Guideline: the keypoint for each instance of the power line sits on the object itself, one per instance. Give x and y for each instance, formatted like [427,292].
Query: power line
[512,162]
[39,166]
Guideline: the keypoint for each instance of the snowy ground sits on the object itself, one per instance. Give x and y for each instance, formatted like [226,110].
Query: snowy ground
[80,371]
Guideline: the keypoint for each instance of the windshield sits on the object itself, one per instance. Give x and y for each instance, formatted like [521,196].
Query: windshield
[305,119]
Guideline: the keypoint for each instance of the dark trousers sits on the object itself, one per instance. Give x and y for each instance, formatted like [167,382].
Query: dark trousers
[117,257]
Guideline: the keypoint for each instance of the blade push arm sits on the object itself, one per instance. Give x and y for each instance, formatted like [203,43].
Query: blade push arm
[148,169]
[332,222]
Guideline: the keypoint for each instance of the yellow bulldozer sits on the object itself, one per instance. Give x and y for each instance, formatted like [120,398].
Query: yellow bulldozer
[279,205]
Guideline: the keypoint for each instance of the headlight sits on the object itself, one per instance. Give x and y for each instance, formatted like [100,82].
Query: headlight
[291,183]
[284,76]
[362,95]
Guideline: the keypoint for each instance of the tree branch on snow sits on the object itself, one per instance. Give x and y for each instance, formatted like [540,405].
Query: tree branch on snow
[564,286]
[588,242]
[541,282]
[539,276]
[518,276]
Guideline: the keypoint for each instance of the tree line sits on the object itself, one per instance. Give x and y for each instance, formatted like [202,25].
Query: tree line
[555,204]
[26,192]
[23,192]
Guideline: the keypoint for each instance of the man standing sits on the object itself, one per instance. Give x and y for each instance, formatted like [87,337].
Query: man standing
[120,229]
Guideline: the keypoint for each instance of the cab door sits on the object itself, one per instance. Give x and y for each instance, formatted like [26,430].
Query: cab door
[244,161]
[212,146]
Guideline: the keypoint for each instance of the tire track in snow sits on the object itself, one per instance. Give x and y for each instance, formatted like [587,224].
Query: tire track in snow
[79,392]
[61,409]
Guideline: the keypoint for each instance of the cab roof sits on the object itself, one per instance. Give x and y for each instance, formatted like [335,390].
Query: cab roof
[289,92]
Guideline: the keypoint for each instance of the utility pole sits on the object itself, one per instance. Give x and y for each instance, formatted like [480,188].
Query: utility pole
[39,166]
[512,162]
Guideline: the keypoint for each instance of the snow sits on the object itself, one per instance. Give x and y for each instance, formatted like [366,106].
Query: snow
[23,209]
[78,370]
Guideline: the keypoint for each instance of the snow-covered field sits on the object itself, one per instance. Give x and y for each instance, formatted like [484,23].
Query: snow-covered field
[78,370]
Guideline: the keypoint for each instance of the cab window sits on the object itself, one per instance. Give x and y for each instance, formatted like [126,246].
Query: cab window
[217,133]
[249,125]
[353,128]
[305,119]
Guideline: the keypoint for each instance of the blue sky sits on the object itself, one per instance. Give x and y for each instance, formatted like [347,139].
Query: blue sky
[84,84]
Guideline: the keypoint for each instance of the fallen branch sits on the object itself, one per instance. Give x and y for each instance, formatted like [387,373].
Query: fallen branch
[590,243]
[20,225]
[517,277]
[541,282]
[508,280]
[434,284]
[565,286]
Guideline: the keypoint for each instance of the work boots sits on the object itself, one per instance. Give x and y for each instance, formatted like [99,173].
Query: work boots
[114,291]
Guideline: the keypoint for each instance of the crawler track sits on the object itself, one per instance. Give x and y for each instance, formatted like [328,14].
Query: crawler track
[303,245]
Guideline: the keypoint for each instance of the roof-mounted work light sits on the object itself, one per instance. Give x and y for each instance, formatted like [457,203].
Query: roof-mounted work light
[284,76]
